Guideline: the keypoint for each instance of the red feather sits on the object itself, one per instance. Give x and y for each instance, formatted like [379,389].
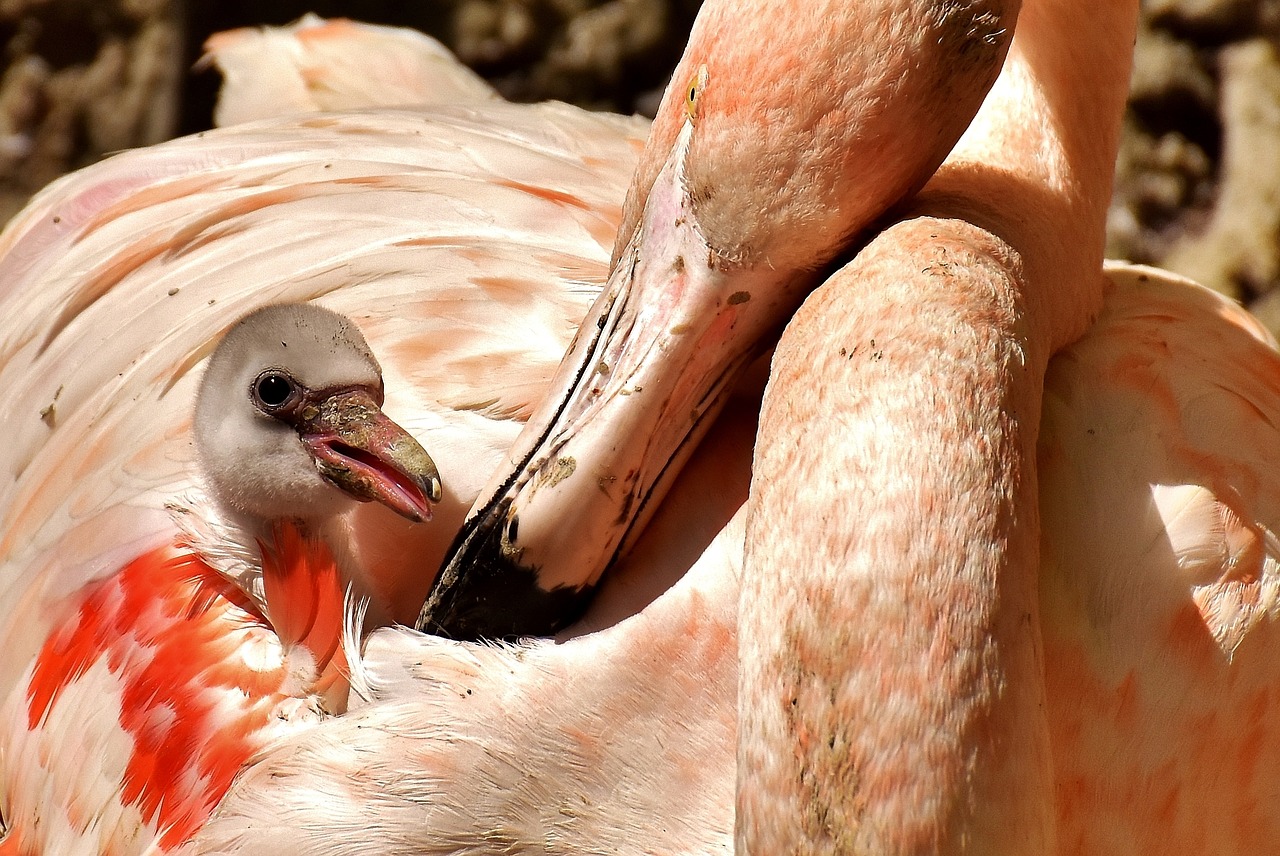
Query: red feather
[202,671]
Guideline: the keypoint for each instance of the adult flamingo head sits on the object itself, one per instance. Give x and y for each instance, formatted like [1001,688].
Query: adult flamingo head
[289,423]
[788,128]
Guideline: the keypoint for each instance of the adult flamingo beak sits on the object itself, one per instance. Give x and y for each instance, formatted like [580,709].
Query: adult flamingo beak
[646,376]
[359,450]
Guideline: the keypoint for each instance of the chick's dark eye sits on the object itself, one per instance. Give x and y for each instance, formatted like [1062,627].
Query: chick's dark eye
[273,390]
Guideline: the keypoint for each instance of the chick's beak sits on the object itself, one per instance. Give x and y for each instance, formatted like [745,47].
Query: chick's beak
[363,453]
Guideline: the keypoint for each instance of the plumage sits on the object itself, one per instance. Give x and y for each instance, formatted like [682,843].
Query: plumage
[119,280]
[542,747]
[94,474]
[1160,505]
[330,65]
[129,725]
[1141,488]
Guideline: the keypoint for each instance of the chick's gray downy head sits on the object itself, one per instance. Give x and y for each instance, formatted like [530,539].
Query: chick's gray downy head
[288,422]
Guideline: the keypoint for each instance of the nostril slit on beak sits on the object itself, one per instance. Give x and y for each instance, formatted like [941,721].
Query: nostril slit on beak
[353,453]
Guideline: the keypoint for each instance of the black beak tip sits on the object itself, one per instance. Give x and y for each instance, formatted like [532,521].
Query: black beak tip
[495,598]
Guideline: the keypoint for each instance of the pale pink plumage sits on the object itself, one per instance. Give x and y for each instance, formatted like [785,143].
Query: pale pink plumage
[1160,504]
[1154,593]
[455,237]
[319,65]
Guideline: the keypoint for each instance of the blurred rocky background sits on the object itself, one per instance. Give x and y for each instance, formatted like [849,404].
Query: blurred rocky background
[1198,178]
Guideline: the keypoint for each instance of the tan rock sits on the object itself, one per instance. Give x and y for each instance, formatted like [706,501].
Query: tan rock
[1237,253]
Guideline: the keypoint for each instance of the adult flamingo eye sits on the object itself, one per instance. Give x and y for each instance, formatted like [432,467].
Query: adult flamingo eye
[693,91]
[273,390]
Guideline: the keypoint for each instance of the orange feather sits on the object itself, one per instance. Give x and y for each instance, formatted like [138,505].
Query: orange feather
[201,674]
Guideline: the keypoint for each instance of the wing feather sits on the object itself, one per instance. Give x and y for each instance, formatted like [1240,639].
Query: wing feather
[1160,499]
[316,64]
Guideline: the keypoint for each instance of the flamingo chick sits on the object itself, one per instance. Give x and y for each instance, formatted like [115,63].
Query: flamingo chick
[295,391]
[201,673]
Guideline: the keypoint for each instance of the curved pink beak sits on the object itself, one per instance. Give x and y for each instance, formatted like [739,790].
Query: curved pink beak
[359,450]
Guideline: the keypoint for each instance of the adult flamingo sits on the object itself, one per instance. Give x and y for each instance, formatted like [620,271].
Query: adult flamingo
[1041,657]
[1126,313]
[898,176]
[1156,577]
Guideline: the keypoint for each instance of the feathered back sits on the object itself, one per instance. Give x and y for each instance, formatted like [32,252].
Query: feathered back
[316,64]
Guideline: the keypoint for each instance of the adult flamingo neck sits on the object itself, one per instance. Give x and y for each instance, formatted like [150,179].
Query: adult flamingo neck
[891,686]
[1036,166]
[891,697]
[799,125]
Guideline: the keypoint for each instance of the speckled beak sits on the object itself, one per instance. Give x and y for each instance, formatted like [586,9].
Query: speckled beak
[646,377]
[366,455]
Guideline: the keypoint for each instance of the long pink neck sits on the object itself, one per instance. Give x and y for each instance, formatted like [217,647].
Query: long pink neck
[1037,164]
[891,684]
[890,687]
